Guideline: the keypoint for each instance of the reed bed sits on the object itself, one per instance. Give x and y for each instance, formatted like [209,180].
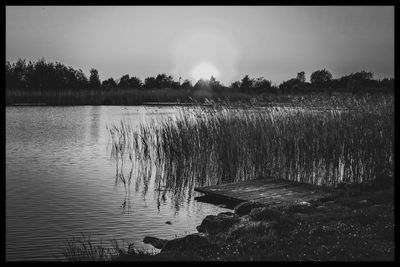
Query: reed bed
[351,142]
[115,96]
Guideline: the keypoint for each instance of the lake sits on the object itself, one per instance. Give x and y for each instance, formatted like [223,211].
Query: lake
[60,183]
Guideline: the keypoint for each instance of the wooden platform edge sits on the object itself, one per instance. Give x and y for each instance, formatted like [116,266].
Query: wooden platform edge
[219,196]
[222,197]
[204,190]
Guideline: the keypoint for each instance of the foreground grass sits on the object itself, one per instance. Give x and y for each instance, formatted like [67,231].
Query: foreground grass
[83,248]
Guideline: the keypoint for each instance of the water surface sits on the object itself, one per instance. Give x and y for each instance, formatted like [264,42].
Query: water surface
[60,183]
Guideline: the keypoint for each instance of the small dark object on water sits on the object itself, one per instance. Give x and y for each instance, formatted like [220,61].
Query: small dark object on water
[168,222]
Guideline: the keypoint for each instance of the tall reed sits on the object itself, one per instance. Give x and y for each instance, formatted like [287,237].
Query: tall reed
[348,142]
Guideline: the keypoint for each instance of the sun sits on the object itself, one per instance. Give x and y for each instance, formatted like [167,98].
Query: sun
[204,71]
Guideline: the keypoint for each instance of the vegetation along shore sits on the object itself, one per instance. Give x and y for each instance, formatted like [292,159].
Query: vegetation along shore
[341,143]
[357,226]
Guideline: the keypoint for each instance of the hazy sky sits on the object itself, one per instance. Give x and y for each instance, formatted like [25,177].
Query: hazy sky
[269,41]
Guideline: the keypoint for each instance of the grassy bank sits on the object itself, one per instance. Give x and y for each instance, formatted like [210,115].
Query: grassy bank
[358,226]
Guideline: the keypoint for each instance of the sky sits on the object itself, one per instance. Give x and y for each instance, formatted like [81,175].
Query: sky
[274,42]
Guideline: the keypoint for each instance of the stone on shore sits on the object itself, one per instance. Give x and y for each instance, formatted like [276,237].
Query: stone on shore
[213,224]
[246,207]
[192,241]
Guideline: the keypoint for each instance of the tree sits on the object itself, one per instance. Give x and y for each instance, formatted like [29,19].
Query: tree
[124,81]
[214,83]
[362,75]
[320,78]
[202,84]
[288,86]
[261,83]
[246,82]
[132,82]
[81,79]
[135,82]
[150,83]
[211,84]
[164,81]
[94,80]
[235,85]
[109,83]
[301,76]
[15,74]
[186,84]
[359,80]
[42,75]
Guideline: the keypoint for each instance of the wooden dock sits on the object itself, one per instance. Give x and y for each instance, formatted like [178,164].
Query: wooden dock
[270,191]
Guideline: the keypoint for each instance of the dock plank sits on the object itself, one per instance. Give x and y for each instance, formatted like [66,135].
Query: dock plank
[269,191]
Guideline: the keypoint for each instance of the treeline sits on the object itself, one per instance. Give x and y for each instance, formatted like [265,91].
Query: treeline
[48,76]
[322,80]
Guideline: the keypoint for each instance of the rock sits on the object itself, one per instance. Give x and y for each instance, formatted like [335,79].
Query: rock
[155,242]
[264,214]
[214,224]
[246,207]
[192,241]
[168,222]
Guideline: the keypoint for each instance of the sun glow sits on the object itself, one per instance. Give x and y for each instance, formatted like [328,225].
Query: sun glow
[204,71]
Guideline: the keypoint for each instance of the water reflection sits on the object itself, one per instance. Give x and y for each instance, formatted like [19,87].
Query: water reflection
[94,125]
[126,204]
[61,182]
[140,162]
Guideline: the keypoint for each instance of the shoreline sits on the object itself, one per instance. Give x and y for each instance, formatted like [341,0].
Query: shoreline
[357,226]
[144,104]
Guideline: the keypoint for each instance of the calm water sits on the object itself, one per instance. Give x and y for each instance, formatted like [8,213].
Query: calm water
[60,183]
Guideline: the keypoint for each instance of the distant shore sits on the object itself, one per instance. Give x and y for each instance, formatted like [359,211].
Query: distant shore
[143,104]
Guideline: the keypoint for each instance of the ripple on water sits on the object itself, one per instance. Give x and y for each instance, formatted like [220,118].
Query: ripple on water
[60,183]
